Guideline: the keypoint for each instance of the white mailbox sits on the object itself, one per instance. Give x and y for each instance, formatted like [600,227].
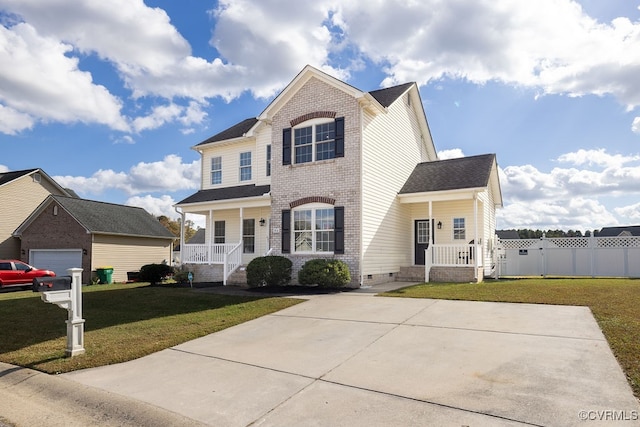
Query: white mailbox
[66,292]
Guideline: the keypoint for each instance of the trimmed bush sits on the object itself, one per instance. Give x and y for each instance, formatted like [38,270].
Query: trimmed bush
[271,270]
[155,273]
[326,273]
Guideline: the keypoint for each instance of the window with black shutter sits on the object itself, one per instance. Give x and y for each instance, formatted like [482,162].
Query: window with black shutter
[313,140]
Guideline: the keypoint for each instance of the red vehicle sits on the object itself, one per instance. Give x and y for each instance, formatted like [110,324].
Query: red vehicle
[17,273]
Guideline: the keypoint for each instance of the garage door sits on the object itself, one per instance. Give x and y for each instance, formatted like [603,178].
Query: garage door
[58,260]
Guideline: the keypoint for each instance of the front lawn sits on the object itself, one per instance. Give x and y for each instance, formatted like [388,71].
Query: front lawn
[615,303]
[123,322]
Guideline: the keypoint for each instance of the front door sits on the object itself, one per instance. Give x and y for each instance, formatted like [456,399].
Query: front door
[421,239]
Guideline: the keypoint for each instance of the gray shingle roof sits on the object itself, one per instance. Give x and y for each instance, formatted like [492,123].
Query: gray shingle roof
[385,97]
[227,193]
[633,230]
[235,131]
[109,218]
[10,176]
[450,174]
[507,234]
[389,95]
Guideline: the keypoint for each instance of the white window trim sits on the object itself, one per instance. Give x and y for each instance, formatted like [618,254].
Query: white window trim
[453,228]
[216,170]
[249,166]
[314,144]
[313,207]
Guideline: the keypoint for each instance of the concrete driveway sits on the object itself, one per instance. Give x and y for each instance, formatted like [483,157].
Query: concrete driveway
[353,359]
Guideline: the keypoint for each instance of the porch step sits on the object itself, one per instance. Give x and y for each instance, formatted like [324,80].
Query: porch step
[238,277]
[413,273]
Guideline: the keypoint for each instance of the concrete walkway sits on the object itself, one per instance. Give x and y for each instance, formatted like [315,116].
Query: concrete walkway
[353,359]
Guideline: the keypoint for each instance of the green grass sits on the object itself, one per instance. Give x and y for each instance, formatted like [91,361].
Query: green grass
[615,303]
[123,322]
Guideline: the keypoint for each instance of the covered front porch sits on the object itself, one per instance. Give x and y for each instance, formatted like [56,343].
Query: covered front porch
[448,239]
[235,233]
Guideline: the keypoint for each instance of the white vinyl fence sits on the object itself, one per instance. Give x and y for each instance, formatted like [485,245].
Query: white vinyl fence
[569,256]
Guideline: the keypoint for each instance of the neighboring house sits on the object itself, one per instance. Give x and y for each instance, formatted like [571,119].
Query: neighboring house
[631,230]
[507,234]
[327,170]
[21,192]
[65,232]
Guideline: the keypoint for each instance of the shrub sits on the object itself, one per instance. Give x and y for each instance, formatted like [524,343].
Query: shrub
[326,273]
[271,270]
[181,276]
[155,273]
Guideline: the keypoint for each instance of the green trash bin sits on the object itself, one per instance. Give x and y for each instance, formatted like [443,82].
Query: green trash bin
[104,275]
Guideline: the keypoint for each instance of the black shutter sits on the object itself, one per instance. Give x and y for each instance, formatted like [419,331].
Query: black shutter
[286,146]
[340,137]
[338,213]
[286,231]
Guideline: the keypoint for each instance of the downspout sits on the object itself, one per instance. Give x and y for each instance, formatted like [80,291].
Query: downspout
[361,249]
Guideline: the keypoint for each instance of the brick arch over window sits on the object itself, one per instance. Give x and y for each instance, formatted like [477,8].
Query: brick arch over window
[313,199]
[314,115]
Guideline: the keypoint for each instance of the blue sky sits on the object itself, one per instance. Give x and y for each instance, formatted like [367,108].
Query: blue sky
[108,97]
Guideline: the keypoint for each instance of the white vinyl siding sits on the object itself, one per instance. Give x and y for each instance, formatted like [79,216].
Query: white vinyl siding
[230,157]
[127,253]
[20,198]
[392,147]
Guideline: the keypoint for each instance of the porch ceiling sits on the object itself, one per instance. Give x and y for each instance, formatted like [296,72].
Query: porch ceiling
[440,196]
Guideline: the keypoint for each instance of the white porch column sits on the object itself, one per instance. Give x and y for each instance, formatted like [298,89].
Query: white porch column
[241,225]
[475,235]
[209,239]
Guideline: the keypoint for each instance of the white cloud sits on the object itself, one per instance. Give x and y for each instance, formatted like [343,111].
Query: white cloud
[3,168]
[635,127]
[577,214]
[450,154]
[41,83]
[167,175]
[597,157]
[631,211]
[550,45]
[156,206]
[13,122]
[570,197]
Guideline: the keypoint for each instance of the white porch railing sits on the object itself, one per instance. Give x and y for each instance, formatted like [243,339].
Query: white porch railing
[227,254]
[465,255]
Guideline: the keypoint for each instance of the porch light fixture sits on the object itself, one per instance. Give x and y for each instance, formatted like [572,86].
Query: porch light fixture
[262,222]
[439,225]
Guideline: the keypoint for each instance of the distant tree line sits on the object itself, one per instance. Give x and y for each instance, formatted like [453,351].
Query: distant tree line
[174,226]
[525,233]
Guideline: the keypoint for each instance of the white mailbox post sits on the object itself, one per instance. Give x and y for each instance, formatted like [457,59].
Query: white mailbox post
[71,300]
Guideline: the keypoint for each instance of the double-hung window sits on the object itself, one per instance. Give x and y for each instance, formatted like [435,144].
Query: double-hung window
[313,230]
[459,229]
[317,141]
[216,170]
[219,232]
[248,236]
[313,140]
[245,166]
[269,160]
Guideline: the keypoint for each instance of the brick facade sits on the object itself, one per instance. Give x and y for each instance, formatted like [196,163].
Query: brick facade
[336,179]
[60,231]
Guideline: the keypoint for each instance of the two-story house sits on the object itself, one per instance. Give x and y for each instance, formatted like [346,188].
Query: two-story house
[327,170]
